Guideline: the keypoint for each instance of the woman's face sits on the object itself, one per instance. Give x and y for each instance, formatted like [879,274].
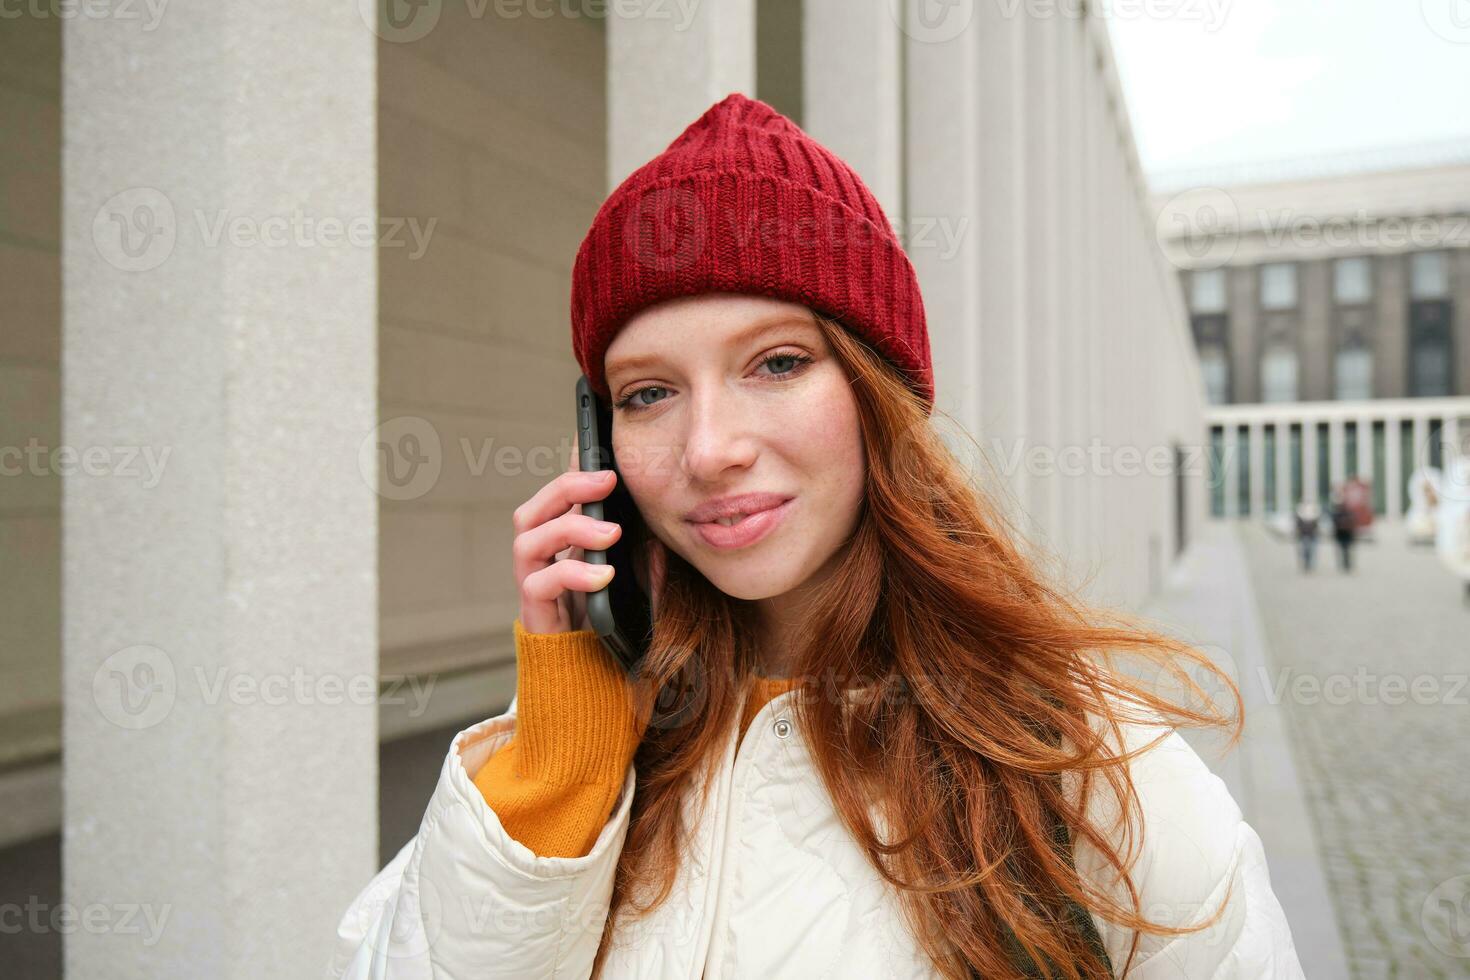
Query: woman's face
[721,395]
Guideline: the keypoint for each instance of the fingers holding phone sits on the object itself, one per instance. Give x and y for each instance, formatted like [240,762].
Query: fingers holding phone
[551,537]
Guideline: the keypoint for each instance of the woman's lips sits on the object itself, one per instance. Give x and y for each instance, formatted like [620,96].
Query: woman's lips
[750,530]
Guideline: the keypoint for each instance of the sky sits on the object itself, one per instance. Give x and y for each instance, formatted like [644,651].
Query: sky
[1218,83]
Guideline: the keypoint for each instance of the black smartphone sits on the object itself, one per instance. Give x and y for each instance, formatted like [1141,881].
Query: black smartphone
[620,611]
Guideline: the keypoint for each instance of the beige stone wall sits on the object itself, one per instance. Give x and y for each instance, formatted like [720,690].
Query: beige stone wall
[30,388]
[494,128]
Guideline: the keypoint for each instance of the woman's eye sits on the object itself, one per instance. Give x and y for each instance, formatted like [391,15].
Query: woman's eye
[634,397]
[782,364]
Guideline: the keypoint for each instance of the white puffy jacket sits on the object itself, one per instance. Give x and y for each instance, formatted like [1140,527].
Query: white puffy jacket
[775,887]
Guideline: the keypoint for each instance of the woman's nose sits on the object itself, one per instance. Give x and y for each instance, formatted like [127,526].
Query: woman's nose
[718,437]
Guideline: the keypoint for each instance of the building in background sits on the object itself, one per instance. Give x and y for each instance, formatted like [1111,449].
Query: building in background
[1331,315]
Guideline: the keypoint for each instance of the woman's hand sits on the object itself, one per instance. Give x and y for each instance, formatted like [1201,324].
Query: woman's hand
[552,535]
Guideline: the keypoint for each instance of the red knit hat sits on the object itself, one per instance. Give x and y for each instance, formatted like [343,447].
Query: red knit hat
[744,201]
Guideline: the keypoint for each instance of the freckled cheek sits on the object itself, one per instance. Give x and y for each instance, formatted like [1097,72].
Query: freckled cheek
[649,472]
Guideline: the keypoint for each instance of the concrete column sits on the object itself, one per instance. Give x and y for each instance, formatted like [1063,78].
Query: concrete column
[852,95]
[1421,442]
[1336,451]
[1257,470]
[663,71]
[1309,459]
[1284,503]
[1230,470]
[1459,261]
[942,188]
[1365,448]
[1314,298]
[1007,354]
[1245,334]
[1390,326]
[1043,284]
[1393,465]
[220,645]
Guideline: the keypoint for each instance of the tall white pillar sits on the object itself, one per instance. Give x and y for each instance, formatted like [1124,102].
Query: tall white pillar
[1336,452]
[942,187]
[1366,455]
[1284,503]
[1007,348]
[663,71]
[1421,443]
[852,93]
[1043,283]
[1257,457]
[1309,460]
[220,616]
[1393,468]
[1230,470]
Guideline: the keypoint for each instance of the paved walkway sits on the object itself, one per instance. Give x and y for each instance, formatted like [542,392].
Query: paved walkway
[1208,601]
[1371,668]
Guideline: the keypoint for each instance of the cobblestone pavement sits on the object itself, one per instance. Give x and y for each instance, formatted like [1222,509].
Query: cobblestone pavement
[1373,668]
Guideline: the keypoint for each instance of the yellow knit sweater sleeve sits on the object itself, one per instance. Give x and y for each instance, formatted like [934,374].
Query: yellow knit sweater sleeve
[553,785]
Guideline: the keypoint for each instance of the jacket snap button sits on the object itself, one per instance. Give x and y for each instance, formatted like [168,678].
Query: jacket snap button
[783,728]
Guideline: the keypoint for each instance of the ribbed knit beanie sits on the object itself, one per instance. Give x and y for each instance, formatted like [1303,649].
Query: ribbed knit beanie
[744,201]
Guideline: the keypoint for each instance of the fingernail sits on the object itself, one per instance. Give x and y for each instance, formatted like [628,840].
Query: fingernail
[605,527]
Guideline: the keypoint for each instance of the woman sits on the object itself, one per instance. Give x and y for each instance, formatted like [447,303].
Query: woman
[893,750]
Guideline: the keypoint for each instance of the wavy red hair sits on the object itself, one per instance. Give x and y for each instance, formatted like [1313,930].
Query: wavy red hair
[933,597]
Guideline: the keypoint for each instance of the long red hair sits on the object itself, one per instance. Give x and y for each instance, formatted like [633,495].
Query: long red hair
[931,597]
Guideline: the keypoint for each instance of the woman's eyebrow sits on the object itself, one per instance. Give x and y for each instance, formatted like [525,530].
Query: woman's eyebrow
[784,321]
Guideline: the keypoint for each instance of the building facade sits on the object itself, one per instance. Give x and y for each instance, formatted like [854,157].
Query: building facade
[1331,316]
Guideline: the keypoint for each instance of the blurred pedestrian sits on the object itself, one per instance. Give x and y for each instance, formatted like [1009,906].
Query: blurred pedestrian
[1344,529]
[1308,517]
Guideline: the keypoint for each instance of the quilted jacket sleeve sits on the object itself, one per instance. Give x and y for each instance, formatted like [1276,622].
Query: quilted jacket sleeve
[466,898]
[1196,853]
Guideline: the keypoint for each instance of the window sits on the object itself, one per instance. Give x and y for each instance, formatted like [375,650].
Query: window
[1429,276]
[1354,373]
[1215,367]
[1207,291]
[1278,285]
[1278,374]
[1352,280]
